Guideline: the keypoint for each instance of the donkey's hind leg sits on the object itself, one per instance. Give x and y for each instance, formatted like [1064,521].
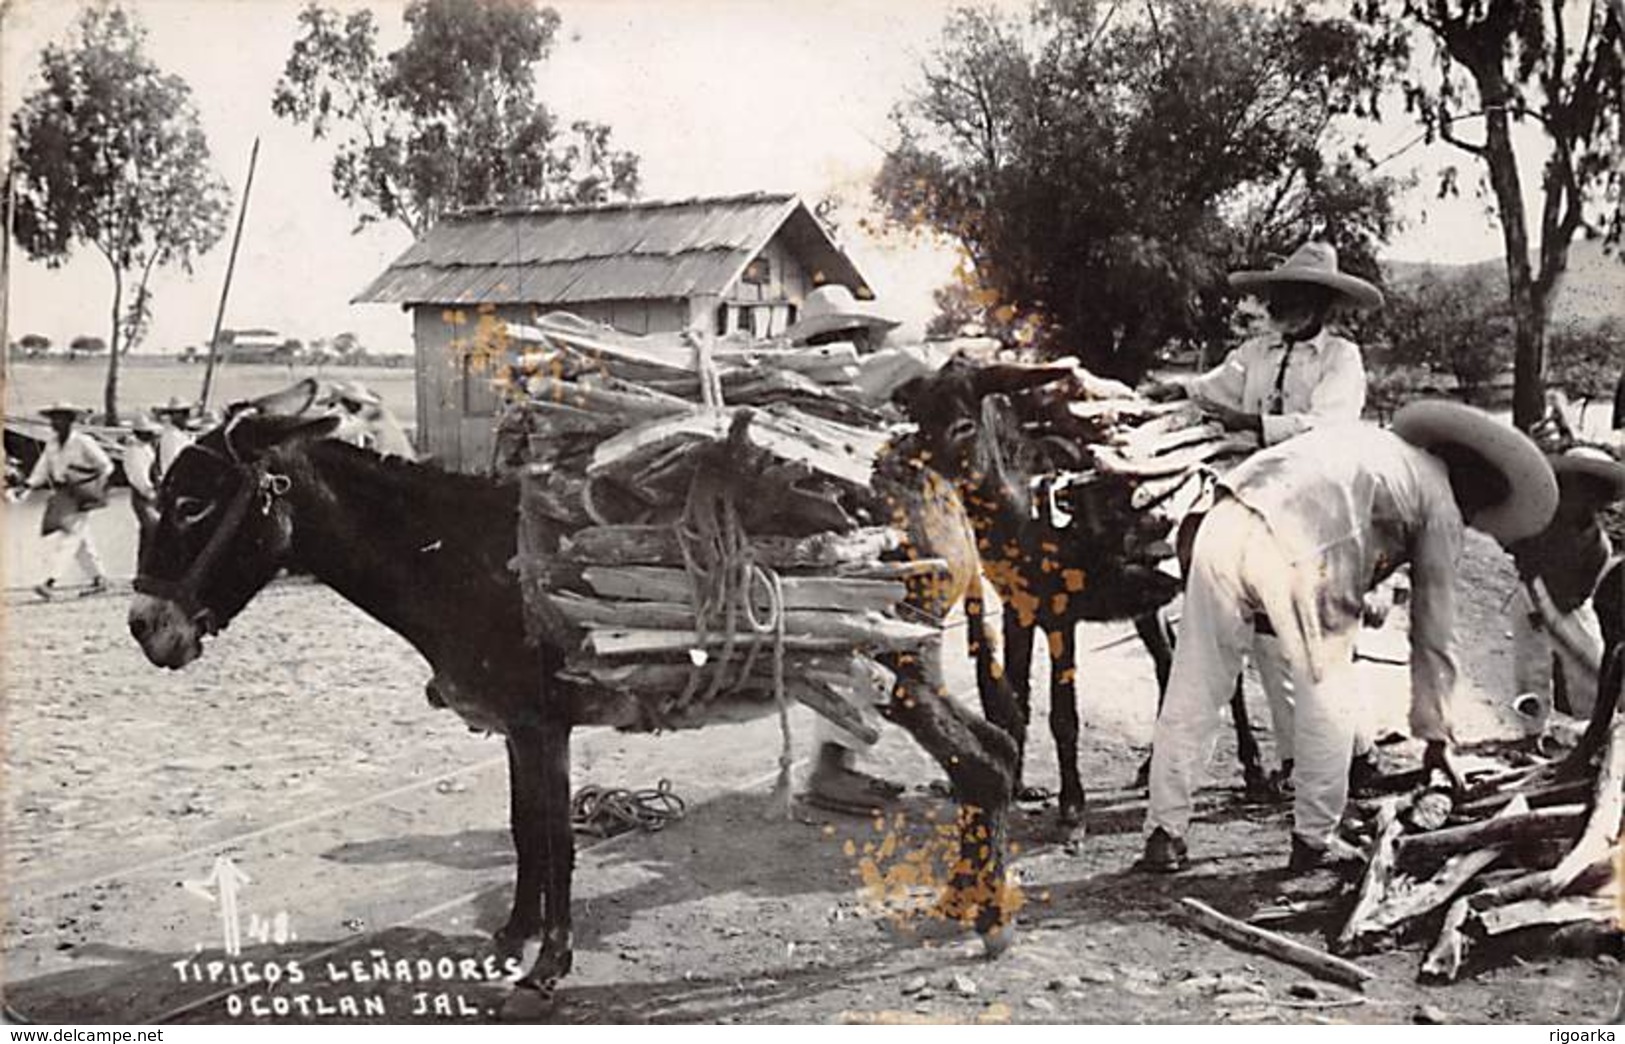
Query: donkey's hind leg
[545,754]
[1253,776]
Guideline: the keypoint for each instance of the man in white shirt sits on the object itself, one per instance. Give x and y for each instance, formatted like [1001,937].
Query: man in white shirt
[173,436]
[1300,533]
[142,473]
[1281,384]
[76,469]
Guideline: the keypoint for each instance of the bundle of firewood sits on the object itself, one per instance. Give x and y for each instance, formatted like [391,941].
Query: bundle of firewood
[700,531]
[1128,469]
[1528,850]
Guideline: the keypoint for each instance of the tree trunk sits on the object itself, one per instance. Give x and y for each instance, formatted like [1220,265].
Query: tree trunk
[1527,300]
[110,389]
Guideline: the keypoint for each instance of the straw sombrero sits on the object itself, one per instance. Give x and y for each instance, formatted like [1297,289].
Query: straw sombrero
[349,391]
[174,405]
[143,425]
[1600,470]
[1533,497]
[60,408]
[1316,263]
[832,307]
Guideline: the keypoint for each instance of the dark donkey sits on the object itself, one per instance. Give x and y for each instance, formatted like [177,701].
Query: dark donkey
[428,555]
[1048,578]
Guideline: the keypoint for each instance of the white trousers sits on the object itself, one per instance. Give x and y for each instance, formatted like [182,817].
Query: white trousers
[1239,568]
[1533,648]
[71,543]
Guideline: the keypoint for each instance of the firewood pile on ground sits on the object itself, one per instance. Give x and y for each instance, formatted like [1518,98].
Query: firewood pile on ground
[1522,854]
[700,526]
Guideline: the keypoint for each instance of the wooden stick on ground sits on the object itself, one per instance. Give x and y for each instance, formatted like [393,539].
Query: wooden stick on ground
[1281,948]
[1378,880]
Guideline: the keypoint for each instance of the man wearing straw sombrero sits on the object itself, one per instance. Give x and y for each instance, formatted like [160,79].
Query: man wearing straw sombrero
[1300,533]
[1283,383]
[173,436]
[76,469]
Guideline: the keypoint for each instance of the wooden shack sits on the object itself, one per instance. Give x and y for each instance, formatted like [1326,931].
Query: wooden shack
[723,264]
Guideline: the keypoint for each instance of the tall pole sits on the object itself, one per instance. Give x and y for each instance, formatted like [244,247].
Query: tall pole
[225,289]
[5,278]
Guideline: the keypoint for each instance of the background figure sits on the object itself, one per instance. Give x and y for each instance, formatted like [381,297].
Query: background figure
[1569,557]
[366,422]
[173,436]
[831,315]
[142,474]
[1300,533]
[76,469]
[1280,384]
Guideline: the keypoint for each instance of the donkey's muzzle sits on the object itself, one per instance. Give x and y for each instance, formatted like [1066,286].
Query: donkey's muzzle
[168,636]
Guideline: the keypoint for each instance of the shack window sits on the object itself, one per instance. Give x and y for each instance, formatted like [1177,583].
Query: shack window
[758,273]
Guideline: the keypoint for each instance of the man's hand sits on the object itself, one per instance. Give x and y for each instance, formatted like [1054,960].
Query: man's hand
[1437,757]
[1163,391]
[15,494]
[1234,420]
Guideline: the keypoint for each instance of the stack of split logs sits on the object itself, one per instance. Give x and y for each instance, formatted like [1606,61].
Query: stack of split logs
[1140,466]
[699,527]
[1526,850]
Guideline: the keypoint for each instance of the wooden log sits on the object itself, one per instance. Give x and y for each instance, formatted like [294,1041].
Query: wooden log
[869,629]
[878,632]
[1444,960]
[1110,460]
[1167,442]
[1537,797]
[1281,948]
[557,420]
[656,584]
[1378,880]
[1607,804]
[1540,823]
[658,545]
[1610,693]
[583,395]
[1533,913]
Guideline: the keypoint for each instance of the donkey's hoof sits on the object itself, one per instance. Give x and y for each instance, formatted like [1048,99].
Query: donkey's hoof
[510,943]
[527,1003]
[996,940]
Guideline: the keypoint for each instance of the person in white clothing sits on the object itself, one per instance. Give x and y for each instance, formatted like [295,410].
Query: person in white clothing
[830,314]
[366,422]
[1300,533]
[76,469]
[142,474]
[173,436]
[1280,384]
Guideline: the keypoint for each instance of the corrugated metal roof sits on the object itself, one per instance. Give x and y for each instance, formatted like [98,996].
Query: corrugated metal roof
[626,251]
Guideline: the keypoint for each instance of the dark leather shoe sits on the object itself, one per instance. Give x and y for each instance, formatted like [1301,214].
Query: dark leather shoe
[1335,855]
[1164,853]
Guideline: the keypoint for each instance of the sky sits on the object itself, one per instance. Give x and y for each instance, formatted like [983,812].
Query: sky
[716,96]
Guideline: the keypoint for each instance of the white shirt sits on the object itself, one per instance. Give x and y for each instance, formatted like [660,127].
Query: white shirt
[1325,382]
[140,467]
[1350,503]
[171,442]
[76,460]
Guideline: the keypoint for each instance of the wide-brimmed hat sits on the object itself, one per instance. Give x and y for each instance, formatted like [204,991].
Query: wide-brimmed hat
[1596,466]
[174,405]
[61,408]
[832,307]
[143,425]
[1532,488]
[350,391]
[1316,263]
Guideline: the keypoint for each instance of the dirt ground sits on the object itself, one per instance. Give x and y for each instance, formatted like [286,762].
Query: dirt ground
[372,831]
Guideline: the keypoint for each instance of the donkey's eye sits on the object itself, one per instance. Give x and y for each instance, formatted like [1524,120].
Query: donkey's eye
[192,510]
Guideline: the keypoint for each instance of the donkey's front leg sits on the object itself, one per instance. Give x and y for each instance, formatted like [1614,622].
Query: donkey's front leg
[546,753]
[526,824]
[1018,670]
[1063,720]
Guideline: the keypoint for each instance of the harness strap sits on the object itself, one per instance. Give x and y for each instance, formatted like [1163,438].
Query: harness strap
[257,482]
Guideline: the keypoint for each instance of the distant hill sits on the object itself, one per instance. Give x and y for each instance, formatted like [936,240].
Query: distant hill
[1592,290]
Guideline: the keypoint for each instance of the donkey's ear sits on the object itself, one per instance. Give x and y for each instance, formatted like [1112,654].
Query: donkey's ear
[250,436]
[291,401]
[1009,378]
